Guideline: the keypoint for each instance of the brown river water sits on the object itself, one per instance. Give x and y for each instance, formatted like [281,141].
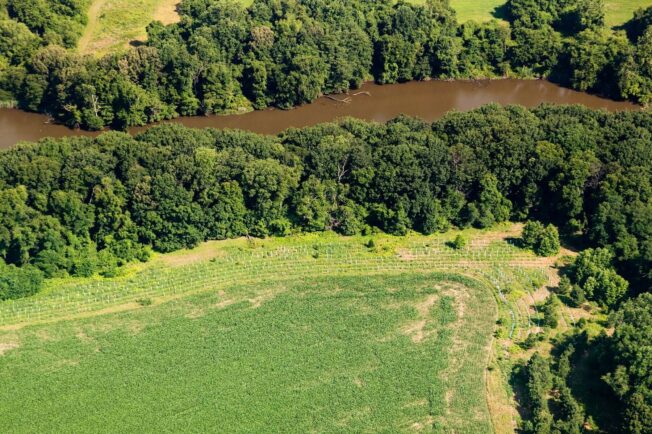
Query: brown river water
[428,100]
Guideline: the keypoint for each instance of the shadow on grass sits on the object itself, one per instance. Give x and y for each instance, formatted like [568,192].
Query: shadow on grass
[517,383]
[501,12]
[596,396]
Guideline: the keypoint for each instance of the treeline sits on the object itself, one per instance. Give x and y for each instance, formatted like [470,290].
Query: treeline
[80,206]
[225,58]
[593,383]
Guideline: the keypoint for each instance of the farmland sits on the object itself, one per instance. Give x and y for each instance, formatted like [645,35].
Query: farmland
[312,331]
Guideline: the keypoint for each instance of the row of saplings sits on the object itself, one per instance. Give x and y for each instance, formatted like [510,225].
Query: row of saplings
[592,277]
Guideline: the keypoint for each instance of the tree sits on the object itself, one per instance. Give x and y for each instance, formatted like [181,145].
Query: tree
[632,371]
[594,273]
[18,282]
[493,207]
[550,311]
[543,240]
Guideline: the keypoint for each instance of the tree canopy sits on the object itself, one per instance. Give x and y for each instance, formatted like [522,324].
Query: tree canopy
[222,57]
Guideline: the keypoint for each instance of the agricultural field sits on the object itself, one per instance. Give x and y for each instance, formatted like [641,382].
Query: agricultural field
[292,335]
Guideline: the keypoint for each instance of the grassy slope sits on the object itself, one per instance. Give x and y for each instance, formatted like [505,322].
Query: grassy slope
[113,24]
[308,331]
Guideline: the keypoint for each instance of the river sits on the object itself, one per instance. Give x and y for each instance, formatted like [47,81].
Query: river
[428,100]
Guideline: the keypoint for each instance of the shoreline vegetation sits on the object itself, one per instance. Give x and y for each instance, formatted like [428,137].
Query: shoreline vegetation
[337,97]
[222,57]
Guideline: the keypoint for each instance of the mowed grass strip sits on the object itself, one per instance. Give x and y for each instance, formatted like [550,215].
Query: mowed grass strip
[400,353]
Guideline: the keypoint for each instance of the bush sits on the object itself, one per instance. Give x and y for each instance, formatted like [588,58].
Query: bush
[594,275]
[543,240]
[577,296]
[550,311]
[19,282]
[459,242]
[144,302]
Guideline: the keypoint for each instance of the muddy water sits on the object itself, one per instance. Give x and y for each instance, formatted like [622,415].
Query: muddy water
[427,100]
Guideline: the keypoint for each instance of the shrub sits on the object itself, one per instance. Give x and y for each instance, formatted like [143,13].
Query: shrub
[594,274]
[550,310]
[144,302]
[19,282]
[459,242]
[543,240]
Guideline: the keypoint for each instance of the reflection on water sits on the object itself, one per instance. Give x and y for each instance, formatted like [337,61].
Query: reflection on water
[428,100]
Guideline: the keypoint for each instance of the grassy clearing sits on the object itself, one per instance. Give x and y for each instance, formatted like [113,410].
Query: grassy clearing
[281,335]
[480,11]
[114,24]
[621,11]
[617,11]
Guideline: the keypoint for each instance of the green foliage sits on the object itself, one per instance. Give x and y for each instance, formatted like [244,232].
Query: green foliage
[632,371]
[85,206]
[550,311]
[59,22]
[18,282]
[543,240]
[593,272]
[223,58]
[459,242]
[538,382]
[548,389]
[638,25]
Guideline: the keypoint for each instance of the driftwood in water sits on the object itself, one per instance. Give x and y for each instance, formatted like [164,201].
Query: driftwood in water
[364,92]
[346,100]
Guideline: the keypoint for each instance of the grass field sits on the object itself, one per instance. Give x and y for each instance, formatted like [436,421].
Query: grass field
[114,24]
[307,333]
[617,11]
[620,11]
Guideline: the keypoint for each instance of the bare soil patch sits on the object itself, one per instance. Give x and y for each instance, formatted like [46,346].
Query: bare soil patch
[6,347]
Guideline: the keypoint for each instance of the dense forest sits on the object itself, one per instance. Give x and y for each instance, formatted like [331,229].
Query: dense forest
[78,205]
[81,206]
[225,58]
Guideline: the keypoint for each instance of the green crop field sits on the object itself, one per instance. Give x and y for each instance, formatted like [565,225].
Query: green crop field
[312,332]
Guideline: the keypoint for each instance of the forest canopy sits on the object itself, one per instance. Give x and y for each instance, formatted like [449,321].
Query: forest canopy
[222,57]
[81,206]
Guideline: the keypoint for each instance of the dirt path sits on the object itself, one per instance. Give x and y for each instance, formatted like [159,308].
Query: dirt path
[93,19]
